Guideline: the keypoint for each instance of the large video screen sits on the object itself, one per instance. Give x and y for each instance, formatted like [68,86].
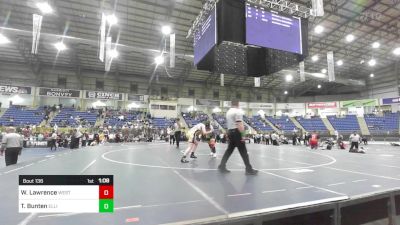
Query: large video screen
[272,30]
[205,38]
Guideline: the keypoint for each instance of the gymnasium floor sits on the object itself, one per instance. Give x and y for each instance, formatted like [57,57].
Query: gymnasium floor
[153,187]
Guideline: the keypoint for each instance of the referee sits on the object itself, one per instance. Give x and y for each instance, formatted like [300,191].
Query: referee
[12,145]
[234,121]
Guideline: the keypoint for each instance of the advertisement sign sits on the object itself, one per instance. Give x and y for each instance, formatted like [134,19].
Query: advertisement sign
[256,105]
[58,92]
[389,101]
[359,103]
[104,95]
[290,106]
[136,98]
[321,105]
[227,104]
[7,89]
[207,102]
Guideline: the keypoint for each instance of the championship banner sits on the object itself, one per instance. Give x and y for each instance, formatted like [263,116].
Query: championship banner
[359,103]
[389,101]
[4,89]
[104,95]
[207,102]
[58,92]
[37,25]
[172,51]
[257,81]
[322,105]
[302,72]
[331,66]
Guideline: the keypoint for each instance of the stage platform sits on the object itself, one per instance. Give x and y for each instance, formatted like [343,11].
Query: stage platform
[153,187]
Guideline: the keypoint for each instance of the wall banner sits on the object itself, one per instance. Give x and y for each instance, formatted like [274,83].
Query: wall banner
[104,95]
[8,89]
[389,101]
[59,93]
[322,105]
[359,103]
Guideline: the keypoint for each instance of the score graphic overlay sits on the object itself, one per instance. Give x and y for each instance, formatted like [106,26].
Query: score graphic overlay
[273,30]
[205,38]
[66,194]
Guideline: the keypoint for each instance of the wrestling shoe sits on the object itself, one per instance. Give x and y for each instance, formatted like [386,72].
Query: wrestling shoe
[251,172]
[214,155]
[193,156]
[223,169]
[184,160]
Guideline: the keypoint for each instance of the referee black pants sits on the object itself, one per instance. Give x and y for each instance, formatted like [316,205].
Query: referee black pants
[235,140]
[11,156]
[177,138]
[354,144]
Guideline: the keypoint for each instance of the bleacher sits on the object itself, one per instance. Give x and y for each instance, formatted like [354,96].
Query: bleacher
[115,119]
[346,124]
[312,124]
[256,123]
[69,117]
[282,123]
[20,116]
[388,123]
[193,120]
[220,119]
[161,123]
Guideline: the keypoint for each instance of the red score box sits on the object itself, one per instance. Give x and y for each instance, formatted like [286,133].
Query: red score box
[106,192]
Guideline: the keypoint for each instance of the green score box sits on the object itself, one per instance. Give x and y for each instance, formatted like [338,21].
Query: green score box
[106,205]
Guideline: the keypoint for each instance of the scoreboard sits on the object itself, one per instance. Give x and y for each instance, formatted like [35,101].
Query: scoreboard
[273,30]
[205,38]
[66,194]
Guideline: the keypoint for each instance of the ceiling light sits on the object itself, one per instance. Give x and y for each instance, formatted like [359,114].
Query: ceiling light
[315,58]
[324,70]
[114,53]
[289,78]
[159,60]
[166,30]
[44,7]
[60,46]
[339,63]
[372,75]
[112,19]
[396,51]
[372,62]
[362,61]
[350,38]
[319,86]
[319,29]
[285,92]
[376,44]
[4,39]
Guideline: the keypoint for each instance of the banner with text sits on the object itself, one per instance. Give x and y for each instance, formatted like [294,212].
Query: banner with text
[207,102]
[227,104]
[7,90]
[137,98]
[256,105]
[60,93]
[389,101]
[322,105]
[359,103]
[290,105]
[104,95]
